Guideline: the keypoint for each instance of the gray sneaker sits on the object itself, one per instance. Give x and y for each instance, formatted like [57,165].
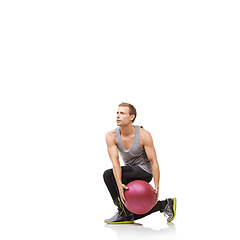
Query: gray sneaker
[170,209]
[120,218]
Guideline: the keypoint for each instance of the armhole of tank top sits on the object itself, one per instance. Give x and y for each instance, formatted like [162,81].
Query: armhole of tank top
[117,137]
[139,138]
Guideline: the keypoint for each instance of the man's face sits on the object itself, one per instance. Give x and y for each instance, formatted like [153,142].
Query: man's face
[123,116]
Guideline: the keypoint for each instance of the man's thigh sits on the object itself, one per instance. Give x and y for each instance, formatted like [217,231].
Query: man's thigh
[131,173]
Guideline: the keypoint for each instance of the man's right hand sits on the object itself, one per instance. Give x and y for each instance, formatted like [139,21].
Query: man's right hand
[121,189]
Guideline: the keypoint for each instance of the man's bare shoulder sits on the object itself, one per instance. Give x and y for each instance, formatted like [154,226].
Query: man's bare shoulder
[145,136]
[144,133]
[112,133]
[111,137]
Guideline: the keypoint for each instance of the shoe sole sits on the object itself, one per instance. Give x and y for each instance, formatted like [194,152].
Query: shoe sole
[174,208]
[123,222]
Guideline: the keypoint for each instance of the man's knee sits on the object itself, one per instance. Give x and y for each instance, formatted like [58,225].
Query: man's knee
[108,174]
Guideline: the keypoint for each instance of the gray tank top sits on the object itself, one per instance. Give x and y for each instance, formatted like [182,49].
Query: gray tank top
[135,155]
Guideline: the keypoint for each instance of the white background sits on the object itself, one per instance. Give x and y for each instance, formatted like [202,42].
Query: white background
[65,67]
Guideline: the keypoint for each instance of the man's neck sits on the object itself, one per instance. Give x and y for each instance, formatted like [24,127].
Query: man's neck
[127,130]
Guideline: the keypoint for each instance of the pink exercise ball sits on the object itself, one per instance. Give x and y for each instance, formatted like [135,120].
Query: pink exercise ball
[140,197]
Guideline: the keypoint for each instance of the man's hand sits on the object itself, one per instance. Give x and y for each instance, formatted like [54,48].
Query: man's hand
[121,189]
[157,193]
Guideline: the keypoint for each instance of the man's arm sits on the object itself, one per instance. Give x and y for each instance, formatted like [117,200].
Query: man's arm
[152,156]
[114,156]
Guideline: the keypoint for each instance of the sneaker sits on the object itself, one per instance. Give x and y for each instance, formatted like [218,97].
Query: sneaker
[120,218]
[170,209]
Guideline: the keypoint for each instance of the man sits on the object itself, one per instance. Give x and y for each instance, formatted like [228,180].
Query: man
[136,148]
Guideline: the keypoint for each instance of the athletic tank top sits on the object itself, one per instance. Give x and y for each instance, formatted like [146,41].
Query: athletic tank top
[135,155]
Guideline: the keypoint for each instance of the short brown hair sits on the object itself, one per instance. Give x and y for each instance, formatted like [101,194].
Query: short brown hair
[132,109]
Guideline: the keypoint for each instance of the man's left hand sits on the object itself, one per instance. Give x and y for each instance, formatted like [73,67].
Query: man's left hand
[157,193]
